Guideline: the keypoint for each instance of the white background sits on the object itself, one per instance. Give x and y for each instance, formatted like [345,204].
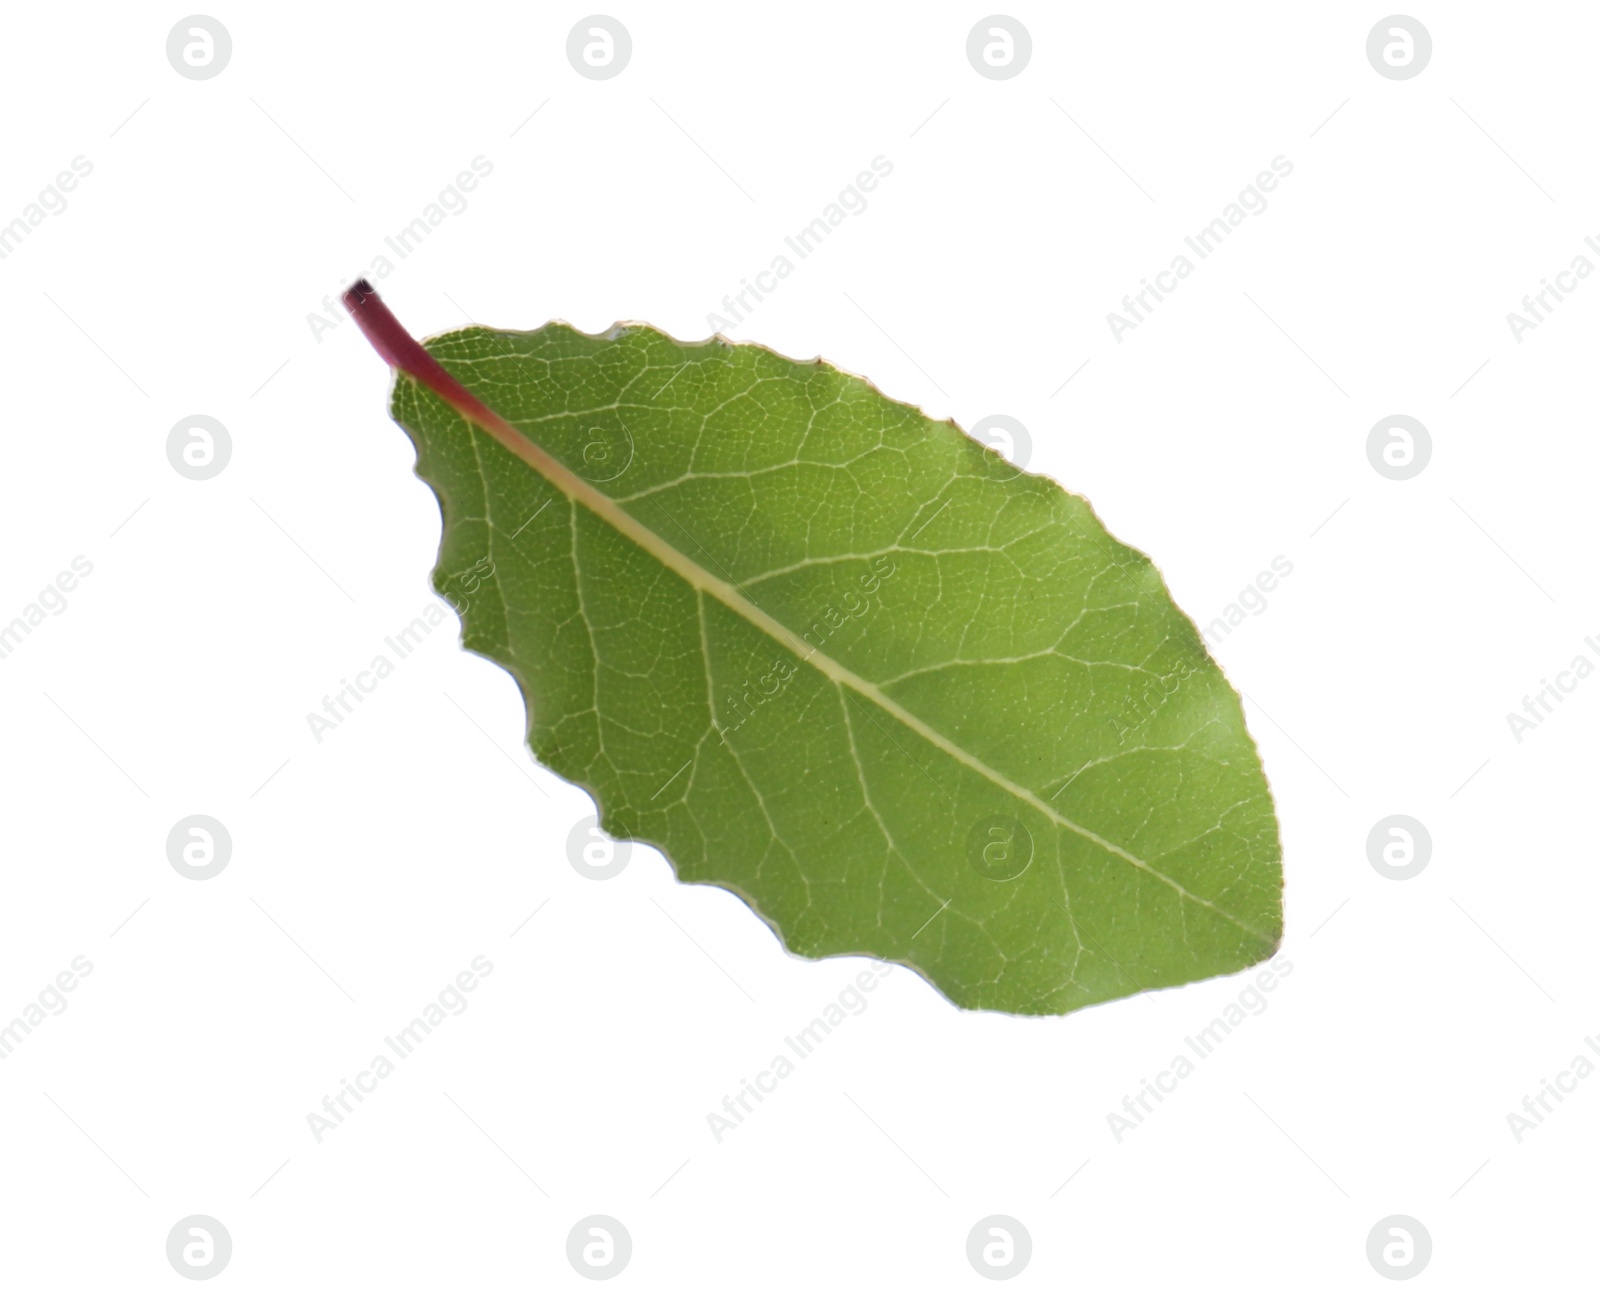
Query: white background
[368,869]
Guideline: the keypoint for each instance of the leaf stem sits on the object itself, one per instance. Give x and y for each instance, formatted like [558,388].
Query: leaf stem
[391,340]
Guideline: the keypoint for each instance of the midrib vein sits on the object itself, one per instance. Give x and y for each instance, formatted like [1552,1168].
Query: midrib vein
[663,551]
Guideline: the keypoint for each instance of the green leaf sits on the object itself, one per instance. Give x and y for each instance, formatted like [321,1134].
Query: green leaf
[841,659]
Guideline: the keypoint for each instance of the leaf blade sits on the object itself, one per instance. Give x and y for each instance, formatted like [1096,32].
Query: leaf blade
[676,514]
